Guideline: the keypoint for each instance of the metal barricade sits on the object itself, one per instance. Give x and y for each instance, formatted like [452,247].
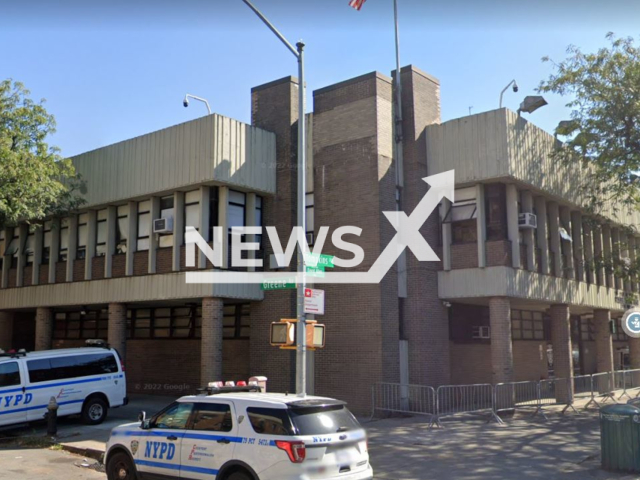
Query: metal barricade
[633,381]
[516,395]
[621,380]
[459,399]
[400,398]
[556,391]
[583,388]
[603,386]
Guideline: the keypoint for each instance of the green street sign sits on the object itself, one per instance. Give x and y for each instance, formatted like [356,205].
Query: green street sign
[321,260]
[278,284]
[315,272]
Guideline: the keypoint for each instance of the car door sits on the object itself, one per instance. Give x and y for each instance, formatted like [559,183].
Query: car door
[159,450]
[14,402]
[210,440]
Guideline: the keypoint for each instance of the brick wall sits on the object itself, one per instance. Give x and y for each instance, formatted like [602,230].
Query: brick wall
[164,257]
[44,274]
[588,354]
[78,270]
[498,253]
[27,276]
[501,343]
[118,265]
[97,268]
[44,328]
[141,262]
[13,277]
[470,363]
[529,360]
[61,272]
[464,256]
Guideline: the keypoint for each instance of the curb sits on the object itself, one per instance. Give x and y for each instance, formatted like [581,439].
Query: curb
[85,452]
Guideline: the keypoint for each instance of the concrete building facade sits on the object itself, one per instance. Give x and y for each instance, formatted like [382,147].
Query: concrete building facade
[504,303]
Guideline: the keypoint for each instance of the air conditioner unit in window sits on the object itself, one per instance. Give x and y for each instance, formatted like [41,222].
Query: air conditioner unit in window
[482,332]
[527,220]
[163,225]
[310,238]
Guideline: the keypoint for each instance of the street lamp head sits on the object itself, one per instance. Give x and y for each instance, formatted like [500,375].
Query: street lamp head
[185,102]
[531,103]
[515,87]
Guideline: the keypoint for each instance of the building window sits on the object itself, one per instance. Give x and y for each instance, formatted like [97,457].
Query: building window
[144,225]
[101,233]
[64,240]
[13,247]
[236,215]
[162,323]
[75,325]
[496,211]
[192,209]
[462,216]
[166,211]
[618,335]
[82,236]
[30,246]
[258,238]
[526,325]
[213,207]
[122,228]
[586,330]
[2,248]
[309,218]
[236,321]
[46,243]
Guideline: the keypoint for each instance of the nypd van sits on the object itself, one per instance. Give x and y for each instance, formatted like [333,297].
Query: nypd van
[242,435]
[86,381]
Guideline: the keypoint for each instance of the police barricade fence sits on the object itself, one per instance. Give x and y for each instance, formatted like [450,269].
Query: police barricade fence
[604,386]
[403,398]
[627,380]
[513,395]
[464,399]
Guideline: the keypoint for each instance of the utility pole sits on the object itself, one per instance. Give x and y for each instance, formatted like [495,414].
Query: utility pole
[301,337]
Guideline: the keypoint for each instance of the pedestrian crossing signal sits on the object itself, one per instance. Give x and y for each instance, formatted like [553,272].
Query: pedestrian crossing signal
[283,334]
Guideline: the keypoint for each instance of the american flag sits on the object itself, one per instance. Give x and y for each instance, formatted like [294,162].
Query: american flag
[357,4]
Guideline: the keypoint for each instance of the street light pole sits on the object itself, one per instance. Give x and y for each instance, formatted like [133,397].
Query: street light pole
[301,337]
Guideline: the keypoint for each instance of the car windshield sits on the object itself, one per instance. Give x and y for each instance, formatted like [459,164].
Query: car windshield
[323,420]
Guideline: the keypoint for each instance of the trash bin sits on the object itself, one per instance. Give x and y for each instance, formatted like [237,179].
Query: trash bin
[620,438]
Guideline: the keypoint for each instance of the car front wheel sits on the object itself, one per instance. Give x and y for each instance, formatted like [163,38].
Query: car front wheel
[120,467]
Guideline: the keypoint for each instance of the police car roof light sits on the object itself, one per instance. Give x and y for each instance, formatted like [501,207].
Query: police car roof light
[241,383]
[230,383]
[96,342]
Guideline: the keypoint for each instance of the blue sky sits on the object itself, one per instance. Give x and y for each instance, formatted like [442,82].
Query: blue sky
[115,70]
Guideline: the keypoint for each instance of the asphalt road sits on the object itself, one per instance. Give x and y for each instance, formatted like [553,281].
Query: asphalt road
[32,463]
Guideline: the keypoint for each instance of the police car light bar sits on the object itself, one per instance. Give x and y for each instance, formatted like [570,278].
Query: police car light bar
[96,342]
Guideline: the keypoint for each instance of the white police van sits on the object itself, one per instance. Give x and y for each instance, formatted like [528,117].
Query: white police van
[242,435]
[86,381]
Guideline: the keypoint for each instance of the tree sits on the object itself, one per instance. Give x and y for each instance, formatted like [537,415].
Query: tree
[604,130]
[35,181]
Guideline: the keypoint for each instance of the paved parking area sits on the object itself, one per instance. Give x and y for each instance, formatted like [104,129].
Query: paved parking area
[30,464]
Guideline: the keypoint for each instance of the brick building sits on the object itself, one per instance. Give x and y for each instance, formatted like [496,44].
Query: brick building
[505,302]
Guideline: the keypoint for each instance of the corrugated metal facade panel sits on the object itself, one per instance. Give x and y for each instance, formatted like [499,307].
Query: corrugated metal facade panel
[209,149]
[144,288]
[499,144]
[515,283]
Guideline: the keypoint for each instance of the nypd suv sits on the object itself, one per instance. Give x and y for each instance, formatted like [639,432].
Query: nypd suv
[242,435]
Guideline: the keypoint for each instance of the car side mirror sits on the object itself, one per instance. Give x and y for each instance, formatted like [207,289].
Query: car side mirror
[142,418]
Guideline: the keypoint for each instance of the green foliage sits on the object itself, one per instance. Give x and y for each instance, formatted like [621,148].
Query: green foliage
[604,130]
[35,181]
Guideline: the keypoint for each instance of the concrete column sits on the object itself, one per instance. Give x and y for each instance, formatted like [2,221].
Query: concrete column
[528,233]
[562,350]
[54,250]
[481,224]
[211,343]
[541,234]
[634,353]
[44,328]
[112,219]
[578,249]
[445,206]
[631,241]
[92,225]
[6,260]
[607,251]
[512,224]
[6,331]
[250,215]
[153,238]
[132,236]
[501,344]
[117,333]
[37,254]
[598,253]
[604,343]
[616,251]
[73,245]
[23,232]
[554,234]
[178,228]
[589,272]
[567,249]
[223,222]
[205,228]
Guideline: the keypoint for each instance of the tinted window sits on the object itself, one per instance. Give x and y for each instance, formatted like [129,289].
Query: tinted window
[322,420]
[9,374]
[175,416]
[73,366]
[270,421]
[213,417]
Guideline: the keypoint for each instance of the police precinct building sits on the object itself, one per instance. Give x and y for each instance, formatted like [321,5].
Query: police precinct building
[510,299]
